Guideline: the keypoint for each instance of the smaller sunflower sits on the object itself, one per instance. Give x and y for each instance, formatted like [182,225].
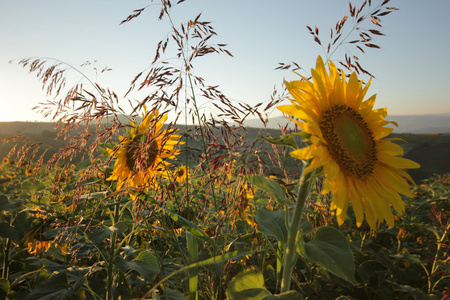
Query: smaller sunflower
[5,160]
[143,154]
[181,174]
[101,174]
[29,171]
[244,209]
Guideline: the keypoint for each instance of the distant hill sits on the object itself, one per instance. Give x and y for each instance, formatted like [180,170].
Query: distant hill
[420,124]
[429,150]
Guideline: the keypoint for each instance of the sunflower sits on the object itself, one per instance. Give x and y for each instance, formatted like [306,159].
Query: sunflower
[35,247]
[142,155]
[101,174]
[246,209]
[181,174]
[29,171]
[346,141]
[5,160]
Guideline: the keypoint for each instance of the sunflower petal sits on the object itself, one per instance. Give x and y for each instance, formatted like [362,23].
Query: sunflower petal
[357,204]
[397,162]
[340,198]
[389,148]
[304,153]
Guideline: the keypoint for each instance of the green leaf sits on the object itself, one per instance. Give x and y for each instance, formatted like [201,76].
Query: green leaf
[7,231]
[248,285]
[64,232]
[290,295]
[93,195]
[118,228]
[98,235]
[272,223]
[183,222]
[219,259]
[6,205]
[189,226]
[270,186]
[146,264]
[303,135]
[22,224]
[62,285]
[4,288]
[412,258]
[32,188]
[210,261]
[173,295]
[330,250]
[284,140]
[306,227]
[192,246]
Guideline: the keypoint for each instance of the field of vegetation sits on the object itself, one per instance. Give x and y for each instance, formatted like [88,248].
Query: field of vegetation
[193,240]
[113,205]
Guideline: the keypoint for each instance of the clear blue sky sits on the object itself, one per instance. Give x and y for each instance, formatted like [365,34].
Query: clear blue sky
[411,69]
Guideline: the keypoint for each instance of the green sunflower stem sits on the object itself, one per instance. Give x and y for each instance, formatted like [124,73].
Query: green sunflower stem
[6,261]
[290,253]
[110,264]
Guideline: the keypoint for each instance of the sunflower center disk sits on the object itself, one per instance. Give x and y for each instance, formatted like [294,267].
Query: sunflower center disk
[180,173]
[141,154]
[349,141]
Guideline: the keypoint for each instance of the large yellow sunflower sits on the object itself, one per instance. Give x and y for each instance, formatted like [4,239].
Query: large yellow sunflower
[142,154]
[346,141]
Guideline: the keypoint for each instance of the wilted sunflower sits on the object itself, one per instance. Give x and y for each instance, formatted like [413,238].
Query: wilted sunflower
[245,209]
[346,141]
[35,247]
[143,154]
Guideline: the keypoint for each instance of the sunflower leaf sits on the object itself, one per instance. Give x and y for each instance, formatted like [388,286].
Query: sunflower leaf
[146,264]
[272,187]
[5,287]
[250,285]
[330,250]
[189,226]
[7,231]
[284,140]
[272,223]
[305,136]
[6,205]
[98,235]
[247,285]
